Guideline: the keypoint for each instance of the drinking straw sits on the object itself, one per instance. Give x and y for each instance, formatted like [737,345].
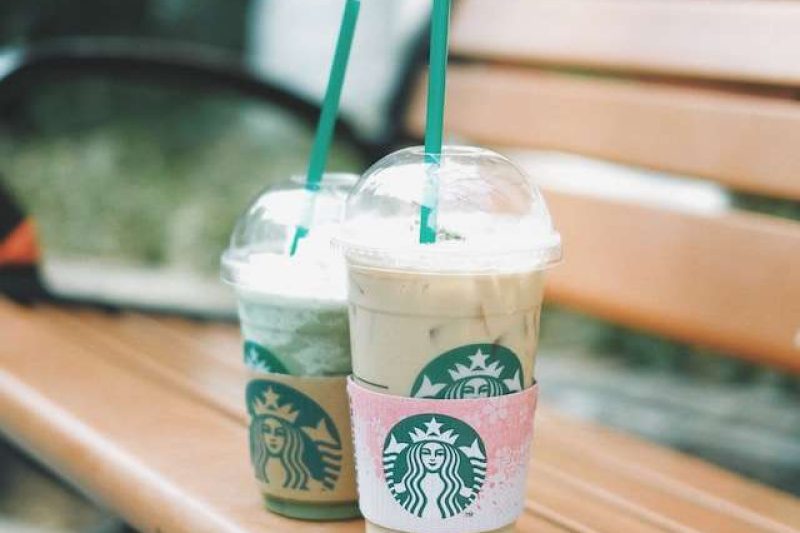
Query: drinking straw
[327,118]
[440,22]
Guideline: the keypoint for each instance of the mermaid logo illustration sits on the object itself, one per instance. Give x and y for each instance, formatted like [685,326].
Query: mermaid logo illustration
[435,465]
[473,371]
[258,358]
[293,442]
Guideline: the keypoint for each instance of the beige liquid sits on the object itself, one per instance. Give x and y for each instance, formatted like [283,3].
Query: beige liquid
[401,320]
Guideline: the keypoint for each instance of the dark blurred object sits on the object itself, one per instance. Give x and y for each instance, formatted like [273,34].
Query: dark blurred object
[770,206]
[19,252]
[167,63]
[25,21]
[168,124]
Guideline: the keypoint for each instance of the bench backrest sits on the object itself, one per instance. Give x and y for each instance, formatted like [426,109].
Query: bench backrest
[702,88]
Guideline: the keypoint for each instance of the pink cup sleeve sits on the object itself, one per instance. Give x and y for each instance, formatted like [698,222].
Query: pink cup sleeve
[441,466]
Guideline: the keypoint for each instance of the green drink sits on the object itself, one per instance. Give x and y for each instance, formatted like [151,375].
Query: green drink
[294,322]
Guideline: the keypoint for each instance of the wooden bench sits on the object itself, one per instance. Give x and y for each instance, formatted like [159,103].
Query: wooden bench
[146,416]
[699,88]
[146,413]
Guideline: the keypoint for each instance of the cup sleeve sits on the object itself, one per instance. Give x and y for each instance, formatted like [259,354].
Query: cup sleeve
[441,466]
[311,458]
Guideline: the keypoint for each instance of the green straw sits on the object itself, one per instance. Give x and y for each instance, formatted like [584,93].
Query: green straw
[327,118]
[440,22]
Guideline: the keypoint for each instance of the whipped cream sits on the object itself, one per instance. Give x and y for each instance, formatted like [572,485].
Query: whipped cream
[314,275]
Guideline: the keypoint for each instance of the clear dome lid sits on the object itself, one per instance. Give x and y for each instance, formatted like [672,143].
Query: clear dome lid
[257,258]
[490,215]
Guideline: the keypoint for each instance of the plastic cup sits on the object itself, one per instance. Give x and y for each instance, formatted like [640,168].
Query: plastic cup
[293,317]
[454,319]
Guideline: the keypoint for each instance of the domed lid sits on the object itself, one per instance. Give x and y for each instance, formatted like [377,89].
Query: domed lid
[257,258]
[490,215]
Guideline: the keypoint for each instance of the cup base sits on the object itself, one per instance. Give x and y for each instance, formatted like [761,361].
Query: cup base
[375,528]
[311,510]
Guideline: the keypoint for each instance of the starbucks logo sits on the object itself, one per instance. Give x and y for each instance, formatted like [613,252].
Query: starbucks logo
[259,358]
[473,371]
[435,465]
[293,442]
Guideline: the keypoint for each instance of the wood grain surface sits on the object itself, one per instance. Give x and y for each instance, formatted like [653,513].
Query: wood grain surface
[741,40]
[746,142]
[145,415]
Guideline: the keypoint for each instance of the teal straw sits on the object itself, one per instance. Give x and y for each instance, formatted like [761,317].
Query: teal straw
[437,74]
[327,118]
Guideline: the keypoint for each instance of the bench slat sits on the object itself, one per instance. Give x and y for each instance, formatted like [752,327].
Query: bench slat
[746,142]
[614,493]
[673,471]
[661,467]
[113,337]
[729,281]
[747,40]
[142,345]
[162,460]
[653,502]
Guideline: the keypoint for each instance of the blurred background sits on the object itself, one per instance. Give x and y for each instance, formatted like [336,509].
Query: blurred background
[133,134]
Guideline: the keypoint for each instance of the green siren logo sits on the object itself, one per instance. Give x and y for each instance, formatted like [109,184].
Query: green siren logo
[293,442]
[258,358]
[435,465]
[473,371]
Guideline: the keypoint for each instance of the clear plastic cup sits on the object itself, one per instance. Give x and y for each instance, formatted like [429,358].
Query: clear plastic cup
[293,316]
[458,318]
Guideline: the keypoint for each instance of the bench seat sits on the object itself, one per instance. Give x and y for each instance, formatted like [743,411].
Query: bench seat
[146,416]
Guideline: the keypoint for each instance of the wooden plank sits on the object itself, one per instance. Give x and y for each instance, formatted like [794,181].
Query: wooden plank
[609,505]
[536,524]
[111,337]
[747,40]
[560,500]
[656,502]
[623,495]
[162,460]
[217,340]
[550,496]
[746,142]
[672,471]
[673,273]
[75,334]
[730,281]
[222,340]
[746,507]
[139,344]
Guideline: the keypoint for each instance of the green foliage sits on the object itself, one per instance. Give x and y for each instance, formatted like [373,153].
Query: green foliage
[149,175]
